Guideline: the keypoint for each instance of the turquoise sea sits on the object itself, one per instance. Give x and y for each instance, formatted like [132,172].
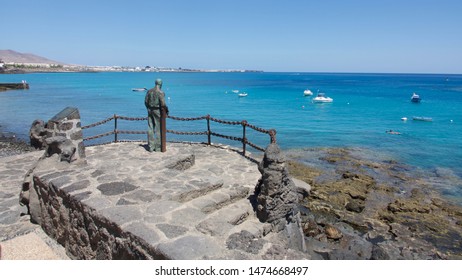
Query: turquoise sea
[364,107]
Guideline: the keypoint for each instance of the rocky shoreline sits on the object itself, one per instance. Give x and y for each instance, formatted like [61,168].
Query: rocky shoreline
[363,209]
[10,145]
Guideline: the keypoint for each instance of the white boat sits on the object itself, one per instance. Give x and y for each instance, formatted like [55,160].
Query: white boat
[415,98]
[307,92]
[139,89]
[423,119]
[321,98]
[242,94]
[235,91]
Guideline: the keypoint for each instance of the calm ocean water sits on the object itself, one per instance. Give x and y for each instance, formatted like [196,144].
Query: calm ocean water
[364,107]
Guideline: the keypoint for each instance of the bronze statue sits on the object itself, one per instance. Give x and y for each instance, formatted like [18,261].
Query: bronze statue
[155,101]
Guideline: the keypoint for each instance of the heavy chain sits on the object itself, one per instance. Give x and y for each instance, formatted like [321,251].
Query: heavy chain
[98,123]
[270,132]
[131,131]
[227,137]
[187,119]
[255,146]
[225,122]
[131,119]
[98,136]
[187,133]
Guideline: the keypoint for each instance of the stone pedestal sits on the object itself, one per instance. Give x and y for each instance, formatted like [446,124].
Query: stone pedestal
[64,140]
[67,124]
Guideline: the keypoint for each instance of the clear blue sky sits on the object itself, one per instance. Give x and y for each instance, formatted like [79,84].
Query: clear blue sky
[406,36]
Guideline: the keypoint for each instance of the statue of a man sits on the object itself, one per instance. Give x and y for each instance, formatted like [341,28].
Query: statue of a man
[154,101]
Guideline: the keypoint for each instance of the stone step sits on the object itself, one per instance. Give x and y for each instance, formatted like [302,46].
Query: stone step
[220,198]
[197,188]
[221,222]
[254,226]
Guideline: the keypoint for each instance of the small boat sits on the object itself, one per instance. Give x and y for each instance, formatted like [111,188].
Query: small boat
[321,98]
[307,92]
[393,132]
[404,119]
[415,98]
[235,91]
[242,94]
[139,89]
[423,119]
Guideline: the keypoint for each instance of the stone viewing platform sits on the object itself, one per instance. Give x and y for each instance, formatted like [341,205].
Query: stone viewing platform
[120,201]
[191,202]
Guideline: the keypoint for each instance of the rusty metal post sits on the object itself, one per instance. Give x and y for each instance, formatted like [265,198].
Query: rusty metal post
[272,134]
[115,128]
[209,138]
[244,140]
[163,129]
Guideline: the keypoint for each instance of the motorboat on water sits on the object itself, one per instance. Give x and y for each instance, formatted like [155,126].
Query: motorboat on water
[139,89]
[415,98]
[307,92]
[423,119]
[235,91]
[242,94]
[322,98]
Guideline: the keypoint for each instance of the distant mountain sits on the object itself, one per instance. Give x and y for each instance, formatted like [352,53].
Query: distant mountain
[9,56]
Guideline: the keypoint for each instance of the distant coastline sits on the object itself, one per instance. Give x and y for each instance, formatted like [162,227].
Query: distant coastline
[12,62]
[21,68]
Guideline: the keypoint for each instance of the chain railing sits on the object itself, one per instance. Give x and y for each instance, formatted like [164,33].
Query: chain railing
[208,132]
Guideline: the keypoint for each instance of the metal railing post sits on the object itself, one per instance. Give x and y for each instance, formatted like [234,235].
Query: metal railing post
[209,133]
[115,128]
[163,129]
[272,134]
[244,140]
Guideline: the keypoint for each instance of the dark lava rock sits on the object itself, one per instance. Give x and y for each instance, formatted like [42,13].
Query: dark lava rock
[378,253]
[245,241]
[354,206]
[376,199]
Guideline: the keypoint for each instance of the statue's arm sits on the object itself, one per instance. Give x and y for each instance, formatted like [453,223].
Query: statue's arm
[146,100]
[162,101]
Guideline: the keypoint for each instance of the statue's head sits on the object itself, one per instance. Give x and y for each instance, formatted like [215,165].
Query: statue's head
[159,82]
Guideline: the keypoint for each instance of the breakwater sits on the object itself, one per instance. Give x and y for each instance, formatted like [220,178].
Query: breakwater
[8,86]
